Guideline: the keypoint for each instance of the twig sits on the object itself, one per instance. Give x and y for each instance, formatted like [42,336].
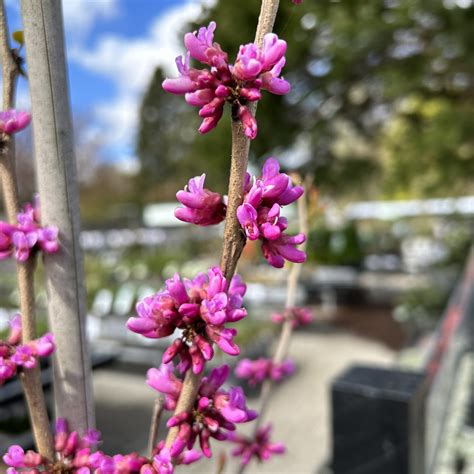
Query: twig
[30,378]
[221,462]
[234,240]
[155,424]
[287,328]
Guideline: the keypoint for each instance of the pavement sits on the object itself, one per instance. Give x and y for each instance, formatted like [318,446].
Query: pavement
[299,408]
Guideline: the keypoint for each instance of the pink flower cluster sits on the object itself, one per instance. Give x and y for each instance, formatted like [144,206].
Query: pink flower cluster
[76,454]
[215,411]
[220,82]
[13,121]
[201,206]
[260,447]
[27,236]
[200,308]
[256,371]
[163,462]
[14,355]
[298,316]
[259,215]
[73,454]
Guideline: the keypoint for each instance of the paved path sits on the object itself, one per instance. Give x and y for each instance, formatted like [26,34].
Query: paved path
[299,409]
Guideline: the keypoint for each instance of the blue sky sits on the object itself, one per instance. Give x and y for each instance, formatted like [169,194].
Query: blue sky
[113,48]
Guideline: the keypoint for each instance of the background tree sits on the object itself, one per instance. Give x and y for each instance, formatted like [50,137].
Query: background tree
[381,105]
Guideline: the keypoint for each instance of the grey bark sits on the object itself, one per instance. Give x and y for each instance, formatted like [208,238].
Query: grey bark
[58,189]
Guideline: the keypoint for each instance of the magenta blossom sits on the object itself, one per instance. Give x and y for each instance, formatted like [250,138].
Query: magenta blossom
[298,316]
[13,121]
[200,308]
[6,240]
[163,462]
[259,215]
[73,454]
[27,236]
[220,82]
[201,206]
[14,355]
[260,447]
[256,371]
[164,381]
[214,414]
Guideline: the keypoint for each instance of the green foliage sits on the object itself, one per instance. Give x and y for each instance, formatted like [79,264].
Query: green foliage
[381,102]
[335,247]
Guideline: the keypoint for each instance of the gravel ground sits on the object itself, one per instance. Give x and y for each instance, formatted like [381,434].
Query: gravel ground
[299,409]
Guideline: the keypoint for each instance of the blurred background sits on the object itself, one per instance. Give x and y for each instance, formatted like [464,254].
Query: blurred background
[379,122]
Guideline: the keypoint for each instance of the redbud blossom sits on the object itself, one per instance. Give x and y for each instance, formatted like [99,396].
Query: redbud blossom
[215,411]
[72,454]
[27,236]
[201,206]
[14,355]
[256,371]
[200,308]
[298,316]
[13,121]
[259,447]
[259,214]
[163,462]
[209,89]
[260,218]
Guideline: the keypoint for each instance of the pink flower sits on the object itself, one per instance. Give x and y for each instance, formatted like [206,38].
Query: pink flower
[259,215]
[24,242]
[232,406]
[13,121]
[27,236]
[6,243]
[48,239]
[16,457]
[162,460]
[13,354]
[200,308]
[248,122]
[44,346]
[256,371]
[14,336]
[220,82]
[24,357]
[201,206]
[260,447]
[215,411]
[163,381]
[298,316]
[7,369]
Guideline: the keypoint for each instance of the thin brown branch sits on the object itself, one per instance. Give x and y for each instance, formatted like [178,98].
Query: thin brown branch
[155,424]
[30,378]
[234,240]
[221,462]
[9,66]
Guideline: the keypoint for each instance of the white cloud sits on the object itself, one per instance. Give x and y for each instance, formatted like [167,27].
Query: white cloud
[130,63]
[80,15]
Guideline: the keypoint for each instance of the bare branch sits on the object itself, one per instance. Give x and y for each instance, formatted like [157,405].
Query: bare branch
[155,424]
[30,378]
[234,239]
